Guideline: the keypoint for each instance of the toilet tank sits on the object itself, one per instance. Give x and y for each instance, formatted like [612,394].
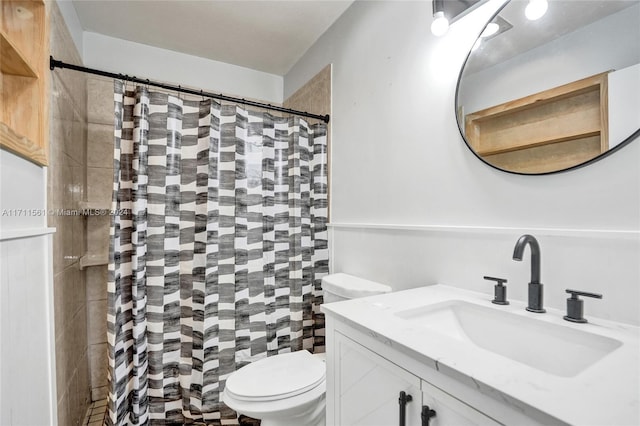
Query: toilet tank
[341,286]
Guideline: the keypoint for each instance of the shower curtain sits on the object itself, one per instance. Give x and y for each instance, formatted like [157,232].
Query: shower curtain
[218,247]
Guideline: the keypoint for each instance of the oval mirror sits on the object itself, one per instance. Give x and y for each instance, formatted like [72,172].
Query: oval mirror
[552,94]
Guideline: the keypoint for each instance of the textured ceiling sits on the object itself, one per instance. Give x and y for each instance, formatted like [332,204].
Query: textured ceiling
[562,17]
[266,35]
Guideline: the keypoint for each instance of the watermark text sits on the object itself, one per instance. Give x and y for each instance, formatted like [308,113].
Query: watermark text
[62,212]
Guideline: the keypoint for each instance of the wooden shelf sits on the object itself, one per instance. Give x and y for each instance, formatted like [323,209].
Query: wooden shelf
[537,143]
[13,62]
[24,49]
[22,145]
[546,131]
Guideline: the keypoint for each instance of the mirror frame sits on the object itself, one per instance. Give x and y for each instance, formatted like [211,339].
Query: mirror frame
[616,148]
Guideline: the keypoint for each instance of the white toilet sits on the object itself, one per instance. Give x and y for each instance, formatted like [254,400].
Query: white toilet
[289,389]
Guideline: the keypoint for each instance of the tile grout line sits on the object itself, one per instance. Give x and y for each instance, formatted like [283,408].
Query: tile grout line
[95,410]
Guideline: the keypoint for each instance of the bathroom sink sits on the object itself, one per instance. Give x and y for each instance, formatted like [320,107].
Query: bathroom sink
[549,347]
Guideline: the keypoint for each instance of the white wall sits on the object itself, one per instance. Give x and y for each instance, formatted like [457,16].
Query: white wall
[398,161]
[27,364]
[22,193]
[72,22]
[624,103]
[27,394]
[135,59]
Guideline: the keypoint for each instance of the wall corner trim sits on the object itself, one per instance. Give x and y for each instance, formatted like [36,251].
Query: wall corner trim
[25,233]
[562,232]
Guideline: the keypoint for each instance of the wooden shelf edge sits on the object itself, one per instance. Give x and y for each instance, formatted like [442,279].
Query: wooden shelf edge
[574,88]
[538,143]
[13,61]
[97,259]
[94,208]
[22,146]
[94,205]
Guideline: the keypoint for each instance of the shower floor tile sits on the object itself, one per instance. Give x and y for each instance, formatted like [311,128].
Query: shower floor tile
[96,413]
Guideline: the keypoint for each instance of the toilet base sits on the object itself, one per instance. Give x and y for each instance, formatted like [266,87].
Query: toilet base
[315,418]
[314,414]
[305,409]
[268,422]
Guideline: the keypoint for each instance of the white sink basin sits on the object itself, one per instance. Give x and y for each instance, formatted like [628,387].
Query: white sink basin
[549,347]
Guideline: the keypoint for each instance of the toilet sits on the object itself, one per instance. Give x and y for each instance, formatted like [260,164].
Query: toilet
[289,389]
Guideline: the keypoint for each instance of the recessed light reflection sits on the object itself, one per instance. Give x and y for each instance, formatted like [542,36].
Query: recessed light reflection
[536,9]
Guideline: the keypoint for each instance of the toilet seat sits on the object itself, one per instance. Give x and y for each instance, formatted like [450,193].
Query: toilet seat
[275,378]
[287,407]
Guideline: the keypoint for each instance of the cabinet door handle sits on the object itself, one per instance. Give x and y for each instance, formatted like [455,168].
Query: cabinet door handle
[427,413]
[402,400]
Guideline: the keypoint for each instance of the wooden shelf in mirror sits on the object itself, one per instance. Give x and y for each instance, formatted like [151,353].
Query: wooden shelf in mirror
[24,46]
[549,129]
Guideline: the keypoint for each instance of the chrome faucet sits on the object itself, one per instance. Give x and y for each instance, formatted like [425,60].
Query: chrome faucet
[535,286]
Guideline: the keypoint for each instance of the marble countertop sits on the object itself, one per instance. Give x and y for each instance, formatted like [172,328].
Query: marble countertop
[605,393]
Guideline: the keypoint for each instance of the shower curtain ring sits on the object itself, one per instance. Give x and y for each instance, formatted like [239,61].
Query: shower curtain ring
[124,78]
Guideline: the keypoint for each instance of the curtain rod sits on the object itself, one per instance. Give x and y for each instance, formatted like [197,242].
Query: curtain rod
[53,63]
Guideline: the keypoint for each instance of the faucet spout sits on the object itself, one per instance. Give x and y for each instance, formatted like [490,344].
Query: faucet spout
[518,251]
[535,286]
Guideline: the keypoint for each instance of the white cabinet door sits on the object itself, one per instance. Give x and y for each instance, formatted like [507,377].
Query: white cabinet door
[450,411]
[368,388]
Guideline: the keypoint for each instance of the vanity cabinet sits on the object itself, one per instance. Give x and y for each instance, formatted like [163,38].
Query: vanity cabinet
[366,390]
[474,363]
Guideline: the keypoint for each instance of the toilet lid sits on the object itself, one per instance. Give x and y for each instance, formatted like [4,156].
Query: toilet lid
[277,377]
[351,287]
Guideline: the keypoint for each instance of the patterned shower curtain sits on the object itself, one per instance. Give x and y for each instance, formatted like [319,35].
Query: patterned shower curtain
[218,247]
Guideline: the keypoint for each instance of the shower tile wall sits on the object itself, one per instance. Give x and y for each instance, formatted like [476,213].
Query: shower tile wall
[66,183]
[99,187]
[315,96]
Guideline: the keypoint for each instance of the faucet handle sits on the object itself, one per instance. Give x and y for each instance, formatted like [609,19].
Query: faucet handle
[575,305]
[499,290]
